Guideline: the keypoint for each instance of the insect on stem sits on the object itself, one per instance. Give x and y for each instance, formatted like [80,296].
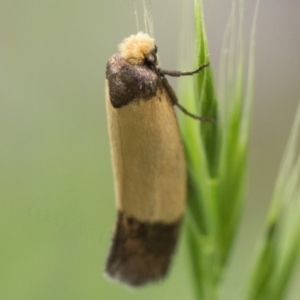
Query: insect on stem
[144,132]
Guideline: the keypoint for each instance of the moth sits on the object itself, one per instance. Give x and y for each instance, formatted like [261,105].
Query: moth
[148,162]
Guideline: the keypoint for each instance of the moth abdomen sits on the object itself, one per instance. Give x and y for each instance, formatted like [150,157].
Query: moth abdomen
[148,164]
[141,251]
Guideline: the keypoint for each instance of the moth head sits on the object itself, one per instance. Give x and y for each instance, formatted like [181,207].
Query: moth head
[139,49]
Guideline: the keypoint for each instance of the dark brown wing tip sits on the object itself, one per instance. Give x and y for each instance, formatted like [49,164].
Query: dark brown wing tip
[141,252]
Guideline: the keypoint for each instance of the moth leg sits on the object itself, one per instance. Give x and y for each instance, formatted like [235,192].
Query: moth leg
[180,73]
[174,100]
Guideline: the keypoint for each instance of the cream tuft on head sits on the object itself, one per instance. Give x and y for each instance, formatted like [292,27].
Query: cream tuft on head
[136,47]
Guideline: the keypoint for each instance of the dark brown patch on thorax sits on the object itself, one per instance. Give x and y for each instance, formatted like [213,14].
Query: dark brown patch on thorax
[128,82]
[141,252]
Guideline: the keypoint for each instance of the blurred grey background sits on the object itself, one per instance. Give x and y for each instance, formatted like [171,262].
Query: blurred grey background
[57,200]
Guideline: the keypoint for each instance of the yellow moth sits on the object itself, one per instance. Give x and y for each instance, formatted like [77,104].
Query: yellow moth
[148,162]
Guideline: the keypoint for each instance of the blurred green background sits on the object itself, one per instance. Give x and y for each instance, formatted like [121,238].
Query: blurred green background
[57,199]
